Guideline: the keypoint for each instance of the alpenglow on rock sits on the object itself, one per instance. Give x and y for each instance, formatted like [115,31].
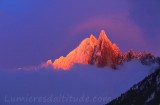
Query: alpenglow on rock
[100,52]
[106,53]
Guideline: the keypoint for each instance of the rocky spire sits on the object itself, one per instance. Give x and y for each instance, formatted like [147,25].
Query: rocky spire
[92,38]
[103,37]
[100,52]
[106,53]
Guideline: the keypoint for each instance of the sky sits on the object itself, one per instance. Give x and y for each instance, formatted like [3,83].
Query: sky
[33,31]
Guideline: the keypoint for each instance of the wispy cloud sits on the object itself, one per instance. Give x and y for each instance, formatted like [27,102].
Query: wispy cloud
[121,28]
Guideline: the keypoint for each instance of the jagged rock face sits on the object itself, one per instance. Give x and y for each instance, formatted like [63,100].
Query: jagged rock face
[106,53]
[82,54]
[99,52]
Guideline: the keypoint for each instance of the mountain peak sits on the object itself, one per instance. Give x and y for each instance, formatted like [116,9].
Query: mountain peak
[100,52]
[92,38]
[102,35]
[102,32]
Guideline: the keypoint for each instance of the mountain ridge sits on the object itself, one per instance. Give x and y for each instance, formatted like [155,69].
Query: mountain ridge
[146,92]
[96,51]
[100,52]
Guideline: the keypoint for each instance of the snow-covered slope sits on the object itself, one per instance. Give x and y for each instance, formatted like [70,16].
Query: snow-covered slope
[146,92]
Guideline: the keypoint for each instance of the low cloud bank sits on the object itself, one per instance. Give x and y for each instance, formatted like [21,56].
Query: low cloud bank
[81,85]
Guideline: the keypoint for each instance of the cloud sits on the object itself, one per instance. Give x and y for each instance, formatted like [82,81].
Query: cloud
[98,22]
[45,65]
[80,80]
[120,28]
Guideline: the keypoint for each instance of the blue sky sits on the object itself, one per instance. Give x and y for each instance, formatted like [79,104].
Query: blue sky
[33,31]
